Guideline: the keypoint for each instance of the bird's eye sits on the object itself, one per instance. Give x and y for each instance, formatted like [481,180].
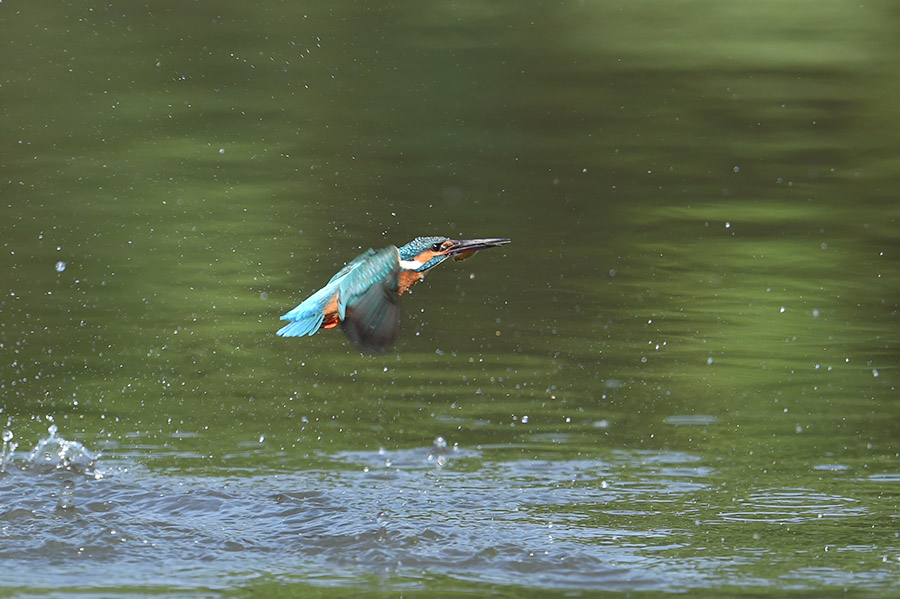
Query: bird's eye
[436,247]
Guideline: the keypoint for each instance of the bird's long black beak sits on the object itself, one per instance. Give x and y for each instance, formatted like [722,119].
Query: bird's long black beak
[473,245]
[466,248]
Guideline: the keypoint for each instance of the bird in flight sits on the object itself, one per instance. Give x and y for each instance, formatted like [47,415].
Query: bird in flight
[363,297]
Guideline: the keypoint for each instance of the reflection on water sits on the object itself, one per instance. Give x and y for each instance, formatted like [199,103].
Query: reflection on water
[682,375]
[793,505]
[629,520]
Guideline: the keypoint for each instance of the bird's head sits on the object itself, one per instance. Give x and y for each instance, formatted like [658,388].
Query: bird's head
[424,253]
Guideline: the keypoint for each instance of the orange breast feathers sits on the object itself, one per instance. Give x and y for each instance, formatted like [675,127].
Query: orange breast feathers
[331,315]
[408,278]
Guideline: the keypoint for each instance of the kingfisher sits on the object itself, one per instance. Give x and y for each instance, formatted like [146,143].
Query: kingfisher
[363,297]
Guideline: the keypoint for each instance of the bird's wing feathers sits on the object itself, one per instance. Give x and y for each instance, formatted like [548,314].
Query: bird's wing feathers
[368,270]
[368,301]
[367,291]
[351,265]
[307,318]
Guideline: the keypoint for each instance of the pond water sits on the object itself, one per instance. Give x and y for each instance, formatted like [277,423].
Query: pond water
[680,376]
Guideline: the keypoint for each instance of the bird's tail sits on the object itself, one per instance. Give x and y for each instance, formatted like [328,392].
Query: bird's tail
[305,320]
[298,328]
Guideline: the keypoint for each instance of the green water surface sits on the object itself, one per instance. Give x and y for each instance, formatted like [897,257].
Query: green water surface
[702,199]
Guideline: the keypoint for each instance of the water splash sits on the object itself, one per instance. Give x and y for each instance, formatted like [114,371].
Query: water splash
[440,452]
[66,496]
[8,448]
[54,453]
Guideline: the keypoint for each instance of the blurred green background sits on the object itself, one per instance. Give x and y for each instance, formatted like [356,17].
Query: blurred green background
[702,199]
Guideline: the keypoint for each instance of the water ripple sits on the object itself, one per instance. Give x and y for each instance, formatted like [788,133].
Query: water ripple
[627,521]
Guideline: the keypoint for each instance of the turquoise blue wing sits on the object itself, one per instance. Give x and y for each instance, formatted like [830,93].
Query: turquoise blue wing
[351,265]
[307,318]
[368,301]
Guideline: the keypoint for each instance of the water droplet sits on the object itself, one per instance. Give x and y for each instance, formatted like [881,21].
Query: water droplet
[60,266]
[709,360]
[737,169]
[67,495]
[875,372]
